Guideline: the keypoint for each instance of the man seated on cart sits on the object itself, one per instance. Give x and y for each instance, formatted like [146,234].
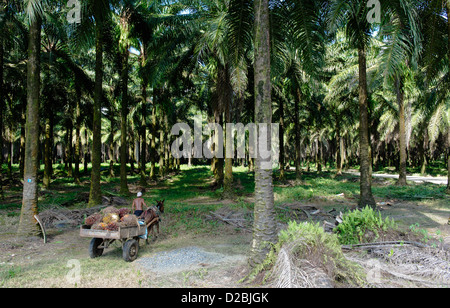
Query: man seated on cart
[138,205]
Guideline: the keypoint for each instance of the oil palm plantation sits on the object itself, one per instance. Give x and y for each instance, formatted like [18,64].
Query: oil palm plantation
[27,226]
[100,11]
[294,26]
[401,36]
[155,63]
[226,38]
[352,16]
[264,229]
[436,60]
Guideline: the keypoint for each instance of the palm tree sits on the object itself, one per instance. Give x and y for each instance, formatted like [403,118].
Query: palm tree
[297,47]
[124,45]
[224,44]
[351,14]
[448,125]
[342,67]
[100,9]
[27,224]
[436,28]
[447,105]
[3,11]
[264,226]
[214,48]
[144,98]
[162,36]
[401,36]
[150,26]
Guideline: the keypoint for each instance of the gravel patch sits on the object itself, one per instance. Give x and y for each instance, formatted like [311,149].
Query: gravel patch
[181,259]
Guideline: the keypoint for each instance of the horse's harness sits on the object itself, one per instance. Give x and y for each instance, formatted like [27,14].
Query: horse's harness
[155,209]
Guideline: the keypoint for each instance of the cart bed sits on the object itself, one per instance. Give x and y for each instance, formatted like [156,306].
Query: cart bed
[123,233]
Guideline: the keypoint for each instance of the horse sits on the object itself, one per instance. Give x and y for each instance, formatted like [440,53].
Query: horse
[152,216]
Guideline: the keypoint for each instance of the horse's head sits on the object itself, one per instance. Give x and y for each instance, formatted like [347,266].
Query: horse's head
[160,205]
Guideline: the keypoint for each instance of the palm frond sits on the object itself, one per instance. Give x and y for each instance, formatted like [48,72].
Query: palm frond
[34,9]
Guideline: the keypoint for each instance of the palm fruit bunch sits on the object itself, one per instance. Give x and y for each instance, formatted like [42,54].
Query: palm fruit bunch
[113,226]
[99,226]
[111,217]
[110,210]
[124,211]
[93,219]
[129,221]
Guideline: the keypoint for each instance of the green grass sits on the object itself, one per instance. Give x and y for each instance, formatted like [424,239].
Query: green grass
[189,198]
[194,182]
[413,191]
[317,187]
[434,168]
[328,185]
[55,271]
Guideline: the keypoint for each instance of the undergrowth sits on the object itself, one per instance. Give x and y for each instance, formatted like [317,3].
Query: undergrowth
[362,226]
[309,242]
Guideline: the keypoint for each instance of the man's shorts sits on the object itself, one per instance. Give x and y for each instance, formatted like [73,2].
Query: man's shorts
[138,213]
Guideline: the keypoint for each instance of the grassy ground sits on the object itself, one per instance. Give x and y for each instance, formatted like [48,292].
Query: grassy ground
[190,197]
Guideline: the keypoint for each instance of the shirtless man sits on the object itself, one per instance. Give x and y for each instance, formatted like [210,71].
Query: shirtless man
[138,205]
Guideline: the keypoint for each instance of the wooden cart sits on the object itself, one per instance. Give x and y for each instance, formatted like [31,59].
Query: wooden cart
[101,239]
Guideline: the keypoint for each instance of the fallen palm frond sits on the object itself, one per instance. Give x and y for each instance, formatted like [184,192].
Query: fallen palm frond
[389,244]
[308,257]
[290,272]
[55,215]
[406,266]
[240,219]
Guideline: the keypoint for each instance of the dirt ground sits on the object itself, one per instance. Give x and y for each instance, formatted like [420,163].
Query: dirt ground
[425,217]
[35,264]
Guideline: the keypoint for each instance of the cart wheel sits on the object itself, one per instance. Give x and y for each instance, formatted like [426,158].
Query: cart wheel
[94,251]
[130,250]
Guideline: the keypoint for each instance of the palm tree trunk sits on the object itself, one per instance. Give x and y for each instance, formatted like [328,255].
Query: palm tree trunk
[217,163]
[2,103]
[448,161]
[319,154]
[111,146]
[47,152]
[86,153]
[22,142]
[27,224]
[448,128]
[123,126]
[2,100]
[298,168]
[10,154]
[281,136]
[167,166]
[342,152]
[143,153]
[339,149]
[153,145]
[95,195]
[76,171]
[422,152]
[401,114]
[162,169]
[226,94]
[264,226]
[69,146]
[132,157]
[366,197]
